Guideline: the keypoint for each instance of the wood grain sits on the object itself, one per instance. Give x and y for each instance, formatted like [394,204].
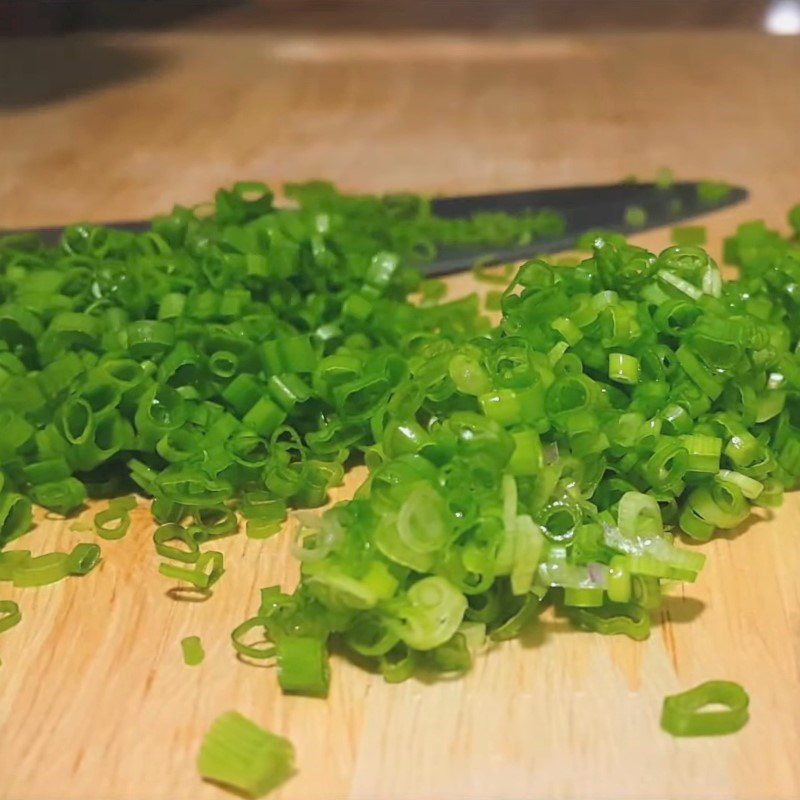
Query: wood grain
[95,701]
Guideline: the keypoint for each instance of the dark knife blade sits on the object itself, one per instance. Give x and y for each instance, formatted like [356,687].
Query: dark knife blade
[583,208]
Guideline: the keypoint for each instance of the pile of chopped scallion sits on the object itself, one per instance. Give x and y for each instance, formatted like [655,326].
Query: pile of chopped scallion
[236,364]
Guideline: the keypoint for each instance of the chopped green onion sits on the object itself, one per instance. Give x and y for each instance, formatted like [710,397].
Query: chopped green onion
[9,615]
[15,517]
[683,714]
[241,631]
[635,217]
[207,570]
[10,560]
[712,191]
[689,235]
[169,532]
[117,512]
[664,178]
[193,653]
[623,368]
[42,570]
[303,666]
[238,754]
[83,559]
[626,618]
[256,353]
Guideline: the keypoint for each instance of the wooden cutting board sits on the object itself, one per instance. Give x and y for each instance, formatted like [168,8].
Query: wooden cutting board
[95,701]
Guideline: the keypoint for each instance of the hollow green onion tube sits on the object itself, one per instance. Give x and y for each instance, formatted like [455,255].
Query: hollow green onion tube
[239,636]
[188,553]
[15,517]
[215,522]
[430,613]
[83,559]
[683,714]
[9,615]
[236,360]
[398,663]
[237,753]
[42,570]
[627,619]
[208,568]
[113,522]
[159,411]
[47,471]
[10,560]
[623,368]
[192,649]
[303,666]
[63,497]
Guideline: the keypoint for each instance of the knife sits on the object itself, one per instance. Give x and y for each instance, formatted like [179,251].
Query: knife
[583,208]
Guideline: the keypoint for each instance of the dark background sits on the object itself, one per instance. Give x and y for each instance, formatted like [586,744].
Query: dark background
[19,17]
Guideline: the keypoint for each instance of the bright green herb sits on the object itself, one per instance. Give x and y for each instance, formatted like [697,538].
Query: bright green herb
[15,517]
[238,754]
[616,402]
[193,653]
[794,220]
[261,648]
[683,714]
[205,572]
[24,570]
[689,235]
[712,191]
[10,560]
[492,273]
[587,241]
[42,570]
[675,207]
[9,615]
[303,665]
[83,559]
[220,370]
[113,523]
[494,300]
[239,362]
[635,217]
[664,178]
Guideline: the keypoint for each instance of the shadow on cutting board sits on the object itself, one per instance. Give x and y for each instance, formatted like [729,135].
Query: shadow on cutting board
[36,72]
[676,610]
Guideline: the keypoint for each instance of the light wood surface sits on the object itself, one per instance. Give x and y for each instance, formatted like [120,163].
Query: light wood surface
[95,701]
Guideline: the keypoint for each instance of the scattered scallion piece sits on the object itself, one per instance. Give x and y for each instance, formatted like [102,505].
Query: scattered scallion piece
[635,217]
[616,402]
[113,522]
[493,273]
[193,653]
[240,755]
[83,559]
[205,572]
[303,665]
[236,362]
[9,615]
[15,517]
[494,300]
[664,178]
[42,570]
[794,220]
[712,191]
[10,560]
[694,235]
[683,714]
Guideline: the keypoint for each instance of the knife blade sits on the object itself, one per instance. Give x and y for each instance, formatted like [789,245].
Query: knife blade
[583,208]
